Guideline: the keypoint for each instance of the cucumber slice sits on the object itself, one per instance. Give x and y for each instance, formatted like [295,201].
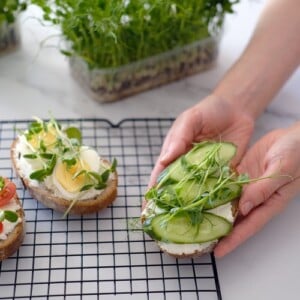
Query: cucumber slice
[192,190]
[223,152]
[179,229]
[173,173]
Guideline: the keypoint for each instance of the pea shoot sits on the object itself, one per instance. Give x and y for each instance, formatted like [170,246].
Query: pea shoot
[49,143]
[112,33]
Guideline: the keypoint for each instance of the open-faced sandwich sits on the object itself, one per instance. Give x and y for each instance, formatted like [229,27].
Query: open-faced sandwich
[12,220]
[61,172]
[194,203]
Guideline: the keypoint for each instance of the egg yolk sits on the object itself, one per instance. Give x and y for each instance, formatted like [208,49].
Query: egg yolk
[65,176]
[48,137]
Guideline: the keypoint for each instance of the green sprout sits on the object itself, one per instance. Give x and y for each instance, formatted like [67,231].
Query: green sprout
[112,33]
[10,8]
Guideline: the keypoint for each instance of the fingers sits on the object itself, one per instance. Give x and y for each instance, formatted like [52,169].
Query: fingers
[253,223]
[279,164]
[178,141]
[258,192]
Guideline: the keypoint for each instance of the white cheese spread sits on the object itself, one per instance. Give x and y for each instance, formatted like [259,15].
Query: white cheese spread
[8,227]
[224,211]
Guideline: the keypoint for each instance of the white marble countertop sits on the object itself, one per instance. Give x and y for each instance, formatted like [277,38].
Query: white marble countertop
[36,81]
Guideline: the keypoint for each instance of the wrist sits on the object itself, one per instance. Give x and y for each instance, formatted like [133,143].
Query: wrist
[238,101]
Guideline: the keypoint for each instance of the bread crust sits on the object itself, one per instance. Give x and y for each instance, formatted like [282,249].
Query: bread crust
[15,238]
[46,196]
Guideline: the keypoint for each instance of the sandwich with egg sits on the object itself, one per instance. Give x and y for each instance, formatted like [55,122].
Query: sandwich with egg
[12,220]
[61,172]
[195,200]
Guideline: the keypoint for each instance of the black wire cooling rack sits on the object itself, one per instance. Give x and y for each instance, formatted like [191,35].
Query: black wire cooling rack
[99,256]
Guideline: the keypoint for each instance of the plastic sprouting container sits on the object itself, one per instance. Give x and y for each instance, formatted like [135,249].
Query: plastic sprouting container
[111,84]
[9,37]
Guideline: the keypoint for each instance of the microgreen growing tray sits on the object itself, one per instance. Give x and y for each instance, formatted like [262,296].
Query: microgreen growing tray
[112,84]
[9,36]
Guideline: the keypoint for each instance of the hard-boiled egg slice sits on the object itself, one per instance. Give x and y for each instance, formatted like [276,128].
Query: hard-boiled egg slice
[48,137]
[63,175]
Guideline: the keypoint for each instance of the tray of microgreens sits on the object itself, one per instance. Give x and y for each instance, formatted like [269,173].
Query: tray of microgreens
[118,48]
[9,35]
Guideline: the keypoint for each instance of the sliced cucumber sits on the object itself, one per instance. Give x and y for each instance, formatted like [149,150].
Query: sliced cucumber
[192,190]
[173,173]
[223,152]
[180,169]
[179,229]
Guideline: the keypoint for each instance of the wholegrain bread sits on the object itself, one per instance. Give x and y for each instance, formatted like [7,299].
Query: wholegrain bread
[46,196]
[15,238]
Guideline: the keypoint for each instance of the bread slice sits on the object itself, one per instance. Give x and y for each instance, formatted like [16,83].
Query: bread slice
[48,198]
[193,250]
[15,238]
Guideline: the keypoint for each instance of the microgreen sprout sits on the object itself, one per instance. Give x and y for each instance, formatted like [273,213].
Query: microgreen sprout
[112,33]
[10,8]
[2,183]
[49,143]
[202,186]
[8,215]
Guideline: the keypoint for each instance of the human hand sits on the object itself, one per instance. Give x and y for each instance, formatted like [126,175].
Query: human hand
[213,119]
[275,155]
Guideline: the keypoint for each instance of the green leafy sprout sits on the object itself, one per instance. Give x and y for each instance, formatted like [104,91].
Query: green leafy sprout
[8,215]
[196,185]
[112,33]
[2,183]
[66,145]
[10,8]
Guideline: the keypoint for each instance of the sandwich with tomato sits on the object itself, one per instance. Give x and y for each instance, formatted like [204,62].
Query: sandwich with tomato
[12,219]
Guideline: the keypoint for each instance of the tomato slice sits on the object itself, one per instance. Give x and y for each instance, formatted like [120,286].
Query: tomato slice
[7,192]
[1,227]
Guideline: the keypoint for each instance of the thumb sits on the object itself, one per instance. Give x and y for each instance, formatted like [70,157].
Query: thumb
[168,154]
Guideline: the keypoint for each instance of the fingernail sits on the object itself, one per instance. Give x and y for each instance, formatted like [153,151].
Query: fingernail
[246,208]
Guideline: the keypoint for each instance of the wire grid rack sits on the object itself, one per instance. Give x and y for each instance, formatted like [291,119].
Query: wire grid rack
[100,256]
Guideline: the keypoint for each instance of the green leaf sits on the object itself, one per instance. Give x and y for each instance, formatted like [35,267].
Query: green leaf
[42,147]
[2,183]
[151,194]
[66,53]
[86,187]
[74,133]
[71,161]
[100,186]
[95,175]
[30,156]
[47,155]
[105,175]
[114,165]
[39,175]
[10,216]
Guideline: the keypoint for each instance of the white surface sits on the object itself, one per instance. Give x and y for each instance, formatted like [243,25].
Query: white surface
[36,81]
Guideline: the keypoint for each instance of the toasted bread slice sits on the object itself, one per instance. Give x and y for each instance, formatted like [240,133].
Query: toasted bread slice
[46,196]
[15,238]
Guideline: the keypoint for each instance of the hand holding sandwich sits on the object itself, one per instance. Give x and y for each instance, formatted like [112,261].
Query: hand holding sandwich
[230,112]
